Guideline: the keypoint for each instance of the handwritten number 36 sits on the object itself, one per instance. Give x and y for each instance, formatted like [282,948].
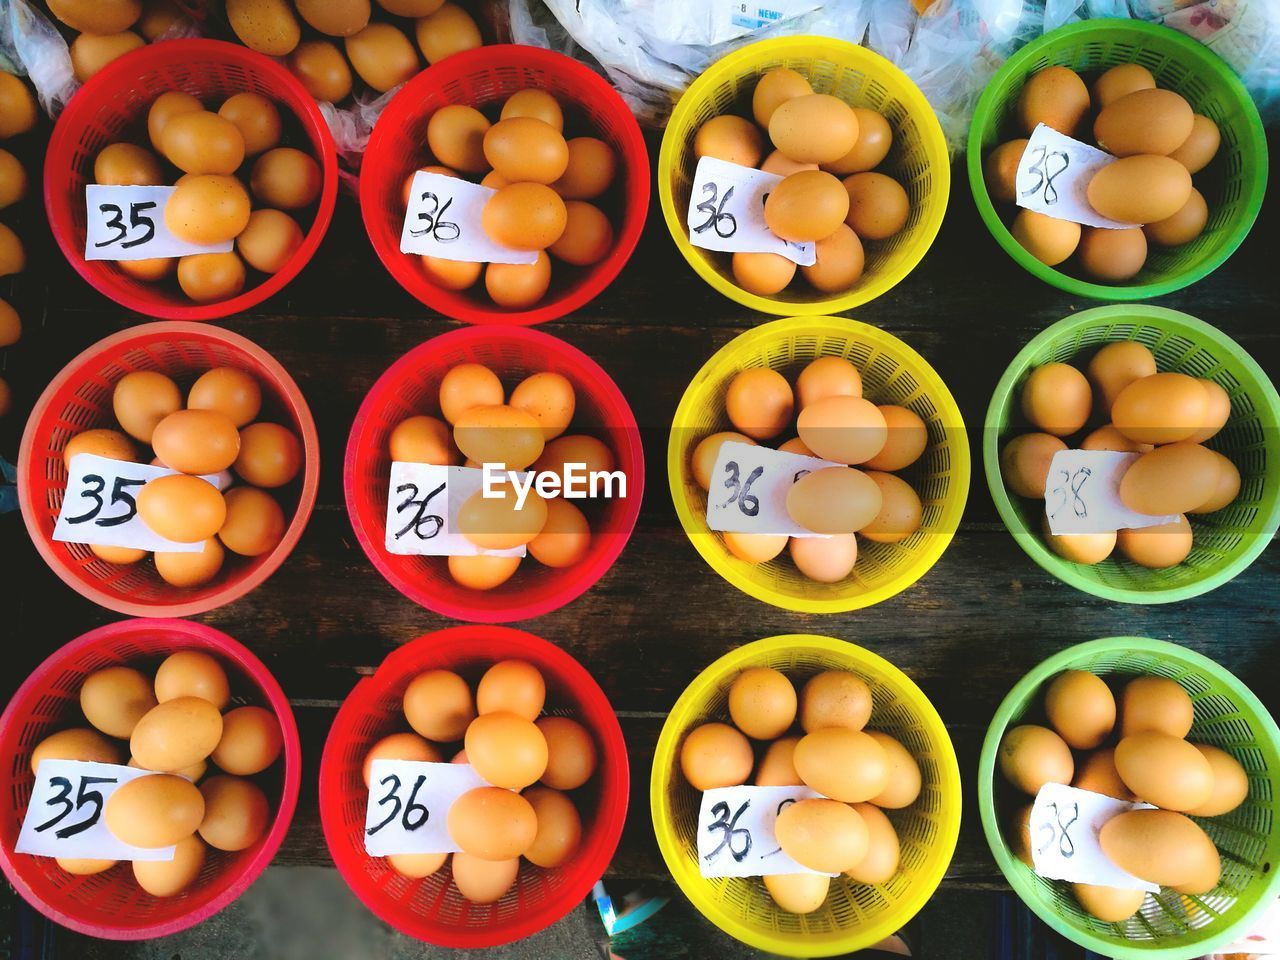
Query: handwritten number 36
[412,814]
[747,502]
[725,224]
[440,230]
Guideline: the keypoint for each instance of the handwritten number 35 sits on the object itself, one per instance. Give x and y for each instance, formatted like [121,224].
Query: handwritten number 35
[94,486]
[137,218]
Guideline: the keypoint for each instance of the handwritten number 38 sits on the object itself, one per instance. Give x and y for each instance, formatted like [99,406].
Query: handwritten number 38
[1048,166]
[440,230]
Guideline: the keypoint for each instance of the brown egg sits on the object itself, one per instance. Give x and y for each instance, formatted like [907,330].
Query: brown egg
[456,275]
[777,766]
[779,164]
[844,764]
[382,56]
[1201,145]
[1159,547]
[447,31]
[1108,904]
[875,137]
[499,434]
[176,734]
[1031,756]
[18,112]
[514,686]
[705,453]
[455,134]
[571,753]
[190,569]
[91,52]
[575,448]
[839,261]
[731,139]
[526,149]
[774,88]
[1164,770]
[142,399]
[1112,256]
[587,236]
[880,863]
[207,208]
[903,786]
[336,19]
[231,392]
[208,277]
[114,699]
[835,500]
[590,170]
[905,441]
[124,164]
[824,559]
[101,443]
[97,16]
[154,811]
[484,572]
[236,813]
[196,441]
[559,828]
[285,177]
[484,881]
[1086,548]
[754,547]
[762,703]
[806,206]
[834,698]
[492,824]
[192,673]
[122,556]
[1116,366]
[256,118]
[1155,704]
[469,385]
[13,179]
[1140,189]
[201,142]
[1055,96]
[715,755]
[537,104]
[1056,399]
[422,439]
[878,206]
[1000,170]
[168,878]
[798,892]
[267,26]
[1097,773]
[827,377]
[439,706]
[524,216]
[270,455]
[1162,408]
[506,749]
[322,69]
[1228,487]
[1020,834]
[823,835]
[1184,226]
[813,128]
[1159,846]
[518,286]
[900,510]
[150,270]
[78,743]
[182,508]
[1120,81]
[251,741]
[1151,121]
[843,428]
[763,274]
[1230,782]
[13,255]
[1175,478]
[399,746]
[759,402]
[1048,239]
[255,523]
[416,866]
[269,240]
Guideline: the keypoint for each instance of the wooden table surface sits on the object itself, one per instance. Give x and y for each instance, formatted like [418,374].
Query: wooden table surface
[965,633]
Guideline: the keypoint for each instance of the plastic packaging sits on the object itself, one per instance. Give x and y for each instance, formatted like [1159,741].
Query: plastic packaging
[36,49]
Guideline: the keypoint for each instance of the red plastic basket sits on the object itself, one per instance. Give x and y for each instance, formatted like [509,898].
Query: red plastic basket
[432,909]
[411,387]
[110,904]
[79,398]
[113,105]
[480,78]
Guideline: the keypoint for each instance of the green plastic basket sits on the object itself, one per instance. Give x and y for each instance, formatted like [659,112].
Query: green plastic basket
[1226,542]
[1233,184]
[1170,926]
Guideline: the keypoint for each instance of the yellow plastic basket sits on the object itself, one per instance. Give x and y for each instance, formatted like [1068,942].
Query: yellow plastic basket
[854,915]
[918,159]
[891,373]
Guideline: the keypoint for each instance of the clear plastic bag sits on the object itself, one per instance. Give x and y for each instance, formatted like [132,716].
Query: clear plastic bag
[37,50]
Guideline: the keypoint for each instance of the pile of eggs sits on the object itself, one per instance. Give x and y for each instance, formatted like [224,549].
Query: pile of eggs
[211,154]
[482,425]
[1161,143]
[380,51]
[18,115]
[1135,749]
[532,762]
[548,193]
[860,774]
[173,725]
[817,139]
[834,422]
[1165,417]
[103,32]
[217,431]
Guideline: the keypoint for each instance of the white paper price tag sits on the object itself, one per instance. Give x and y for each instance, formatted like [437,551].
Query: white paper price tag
[443,220]
[1082,494]
[423,500]
[1064,837]
[409,805]
[100,505]
[64,814]
[735,831]
[749,486]
[1053,178]
[127,223]
[726,212]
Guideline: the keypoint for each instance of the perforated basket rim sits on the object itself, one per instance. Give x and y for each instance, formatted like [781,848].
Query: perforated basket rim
[310,483]
[1204,59]
[683,714]
[845,54]
[695,525]
[1032,543]
[1016,701]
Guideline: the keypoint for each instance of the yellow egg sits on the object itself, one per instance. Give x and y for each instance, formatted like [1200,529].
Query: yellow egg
[774,88]
[484,881]
[824,559]
[101,443]
[759,402]
[182,508]
[731,139]
[255,523]
[1201,145]
[524,216]
[878,206]
[18,112]
[1157,548]
[469,385]
[168,878]
[190,569]
[1056,399]
[1171,479]
[154,811]
[755,547]
[236,813]
[150,270]
[1000,170]
[123,556]
[91,52]
[201,142]
[1119,81]
[1048,239]
[514,686]
[97,16]
[231,392]
[1151,121]
[382,56]
[251,741]
[549,398]
[422,439]
[416,866]
[904,783]
[590,170]
[537,104]
[905,440]
[763,274]
[1108,904]
[1140,189]
[1031,756]
[1230,782]
[835,500]
[834,698]
[78,743]
[526,149]
[762,703]
[175,734]
[875,137]
[1080,708]
[124,164]
[559,828]
[715,755]
[1155,704]
[1116,366]
[1020,834]
[269,240]
[838,261]
[1024,463]
[1159,846]
[571,753]
[806,206]
[448,31]
[506,749]
[285,177]
[813,128]
[208,277]
[499,434]
[456,275]
[821,834]
[192,673]
[518,286]
[267,26]
[880,863]
[270,455]
[1086,548]
[439,706]
[1183,226]
[84,867]
[1097,772]
[484,572]
[1112,256]
[777,767]
[1162,408]
[1164,770]
[841,763]
[114,699]
[706,452]
[206,208]
[322,69]
[1227,489]
[336,18]
[196,441]
[798,892]
[576,449]
[827,377]
[900,510]
[455,134]
[781,165]
[1055,96]
[843,428]
[399,746]
[587,237]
